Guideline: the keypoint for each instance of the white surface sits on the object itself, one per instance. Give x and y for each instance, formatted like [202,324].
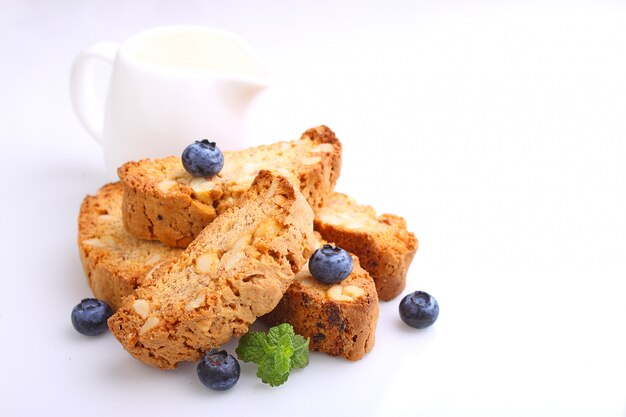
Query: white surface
[497,131]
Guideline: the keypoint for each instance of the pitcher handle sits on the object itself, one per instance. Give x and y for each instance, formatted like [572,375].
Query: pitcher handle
[83,89]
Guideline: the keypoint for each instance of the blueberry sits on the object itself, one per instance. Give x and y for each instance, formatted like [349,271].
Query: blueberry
[330,264]
[218,370]
[419,309]
[203,159]
[90,317]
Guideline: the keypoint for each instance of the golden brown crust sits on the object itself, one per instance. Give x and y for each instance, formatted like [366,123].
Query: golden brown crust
[114,262]
[237,269]
[382,243]
[344,327]
[163,202]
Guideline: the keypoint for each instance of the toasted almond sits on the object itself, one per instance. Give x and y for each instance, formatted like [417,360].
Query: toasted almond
[148,325]
[323,147]
[353,291]
[165,185]
[311,160]
[268,227]
[203,189]
[153,259]
[196,302]
[107,217]
[141,307]
[336,293]
[206,263]
[94,242]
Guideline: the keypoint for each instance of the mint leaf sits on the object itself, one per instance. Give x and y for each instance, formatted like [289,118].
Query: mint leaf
[283,353]
[252,347]
[300,357]
[276,353]
[270,374]
[276,332]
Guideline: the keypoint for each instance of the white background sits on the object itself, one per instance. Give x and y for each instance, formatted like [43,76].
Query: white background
[497,130]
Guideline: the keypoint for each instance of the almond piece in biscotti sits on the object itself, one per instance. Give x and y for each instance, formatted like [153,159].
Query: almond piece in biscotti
[237,269]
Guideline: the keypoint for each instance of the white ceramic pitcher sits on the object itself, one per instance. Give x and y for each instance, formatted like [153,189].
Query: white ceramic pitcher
[169,86]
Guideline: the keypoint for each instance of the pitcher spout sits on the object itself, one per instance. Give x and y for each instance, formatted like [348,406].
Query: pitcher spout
[236,70]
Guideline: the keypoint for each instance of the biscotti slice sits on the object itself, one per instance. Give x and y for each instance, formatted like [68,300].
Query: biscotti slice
[237,269]
[340,319]
[115,263]
[382,243]
[164,202]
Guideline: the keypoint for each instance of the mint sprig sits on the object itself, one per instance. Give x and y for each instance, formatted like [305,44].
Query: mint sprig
[276,353]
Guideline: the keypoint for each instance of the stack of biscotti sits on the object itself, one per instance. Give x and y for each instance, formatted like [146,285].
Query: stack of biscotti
[340,323]
[173,303]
